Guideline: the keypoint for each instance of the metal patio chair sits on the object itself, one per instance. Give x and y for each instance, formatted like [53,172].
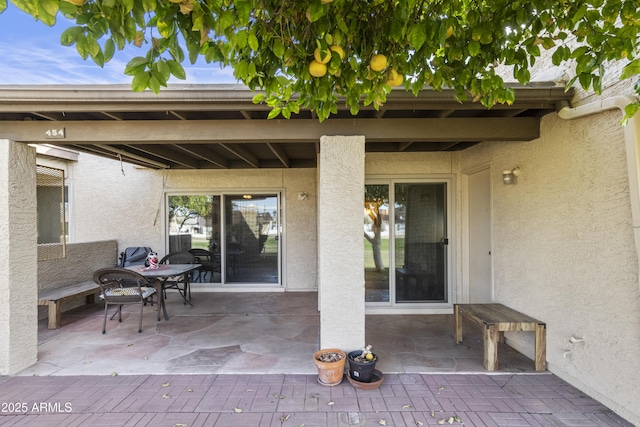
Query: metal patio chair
[120,287]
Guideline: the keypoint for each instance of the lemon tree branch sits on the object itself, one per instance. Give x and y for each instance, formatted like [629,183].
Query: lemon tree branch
[365,47]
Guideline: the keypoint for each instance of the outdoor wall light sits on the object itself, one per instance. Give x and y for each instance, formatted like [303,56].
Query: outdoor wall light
[510,176]
[302,195]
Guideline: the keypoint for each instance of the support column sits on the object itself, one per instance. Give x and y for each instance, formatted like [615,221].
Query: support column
[340,249]
[18,263]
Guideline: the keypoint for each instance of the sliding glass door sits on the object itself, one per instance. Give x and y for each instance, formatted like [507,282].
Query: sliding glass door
[234,236]
[406,243]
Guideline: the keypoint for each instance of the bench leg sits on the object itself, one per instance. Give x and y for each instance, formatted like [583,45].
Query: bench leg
[54,315]
[458,324]
[490,348]
[541,348]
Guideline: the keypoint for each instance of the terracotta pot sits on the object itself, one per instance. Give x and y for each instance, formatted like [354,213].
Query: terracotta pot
[330,373]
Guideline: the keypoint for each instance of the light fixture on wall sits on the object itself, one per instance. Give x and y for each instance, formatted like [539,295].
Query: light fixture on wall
[302,195]
[510,176]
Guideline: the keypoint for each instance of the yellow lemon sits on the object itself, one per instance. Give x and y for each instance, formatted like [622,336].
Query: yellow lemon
[325,1]
[317,54]
[369,356]
[395,78]
[317,69]
[378,62]
[449,32]
[76,2]
[338,50]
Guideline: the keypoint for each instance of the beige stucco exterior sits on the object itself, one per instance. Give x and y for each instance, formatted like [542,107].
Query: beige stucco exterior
[564,251]
[18,293]
[563,244]
[340,254]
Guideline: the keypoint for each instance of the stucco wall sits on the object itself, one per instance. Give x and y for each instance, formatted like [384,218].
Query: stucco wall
[81,261]
[18,326]
[563,252]
[129,207]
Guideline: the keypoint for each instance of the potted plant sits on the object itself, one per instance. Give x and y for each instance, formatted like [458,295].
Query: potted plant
[362,364]
[330,363]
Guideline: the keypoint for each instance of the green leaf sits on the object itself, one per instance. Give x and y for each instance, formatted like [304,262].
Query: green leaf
[164,28]
[154,84]
[3,5]
[585,80]
[629,111]
[254,44]
[225,21]
[241,39]
[585,64]
[548,43]
[631,69]
[275,112]
[48,7]
[83,46]
[47,10]
[580,13]
[136,65]
[69,36]
[27,6]
[109,50]
[176,69]
[474,48]
[241,70]
[278,48]
[149,5]
[163,71]
[128,5]
[316,10]
[259,98]
[418,36]
[396,32]
[140,81]
[98,59]
[244,9]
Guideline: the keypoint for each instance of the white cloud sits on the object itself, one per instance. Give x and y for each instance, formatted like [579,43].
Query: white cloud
[31,53]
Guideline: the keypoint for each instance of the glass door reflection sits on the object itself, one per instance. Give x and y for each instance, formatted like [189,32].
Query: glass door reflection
[251,238]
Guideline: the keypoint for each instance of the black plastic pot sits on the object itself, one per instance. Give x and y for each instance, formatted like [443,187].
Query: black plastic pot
[361,371]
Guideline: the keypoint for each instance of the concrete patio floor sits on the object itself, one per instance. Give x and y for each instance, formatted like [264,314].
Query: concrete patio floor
[245,359]
[250,333]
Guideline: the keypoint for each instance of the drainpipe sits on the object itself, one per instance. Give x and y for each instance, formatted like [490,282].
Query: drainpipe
[632,146]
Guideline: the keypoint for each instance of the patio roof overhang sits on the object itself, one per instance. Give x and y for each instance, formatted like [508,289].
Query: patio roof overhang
[219,127]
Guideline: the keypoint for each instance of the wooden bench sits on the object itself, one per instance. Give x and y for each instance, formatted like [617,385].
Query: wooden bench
[53,298]
[498,319]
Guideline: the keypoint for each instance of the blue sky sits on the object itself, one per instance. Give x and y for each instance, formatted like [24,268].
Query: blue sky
[31,53]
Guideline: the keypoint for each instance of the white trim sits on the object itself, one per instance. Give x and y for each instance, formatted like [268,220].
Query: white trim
[56,152]
[392,307]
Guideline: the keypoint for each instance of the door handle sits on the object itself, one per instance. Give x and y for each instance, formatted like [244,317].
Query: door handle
[444,241]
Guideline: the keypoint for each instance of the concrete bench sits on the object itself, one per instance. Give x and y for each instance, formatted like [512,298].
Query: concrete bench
[498,319]
[53,298]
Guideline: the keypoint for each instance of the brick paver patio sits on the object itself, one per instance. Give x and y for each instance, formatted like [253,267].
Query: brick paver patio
[298,400]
